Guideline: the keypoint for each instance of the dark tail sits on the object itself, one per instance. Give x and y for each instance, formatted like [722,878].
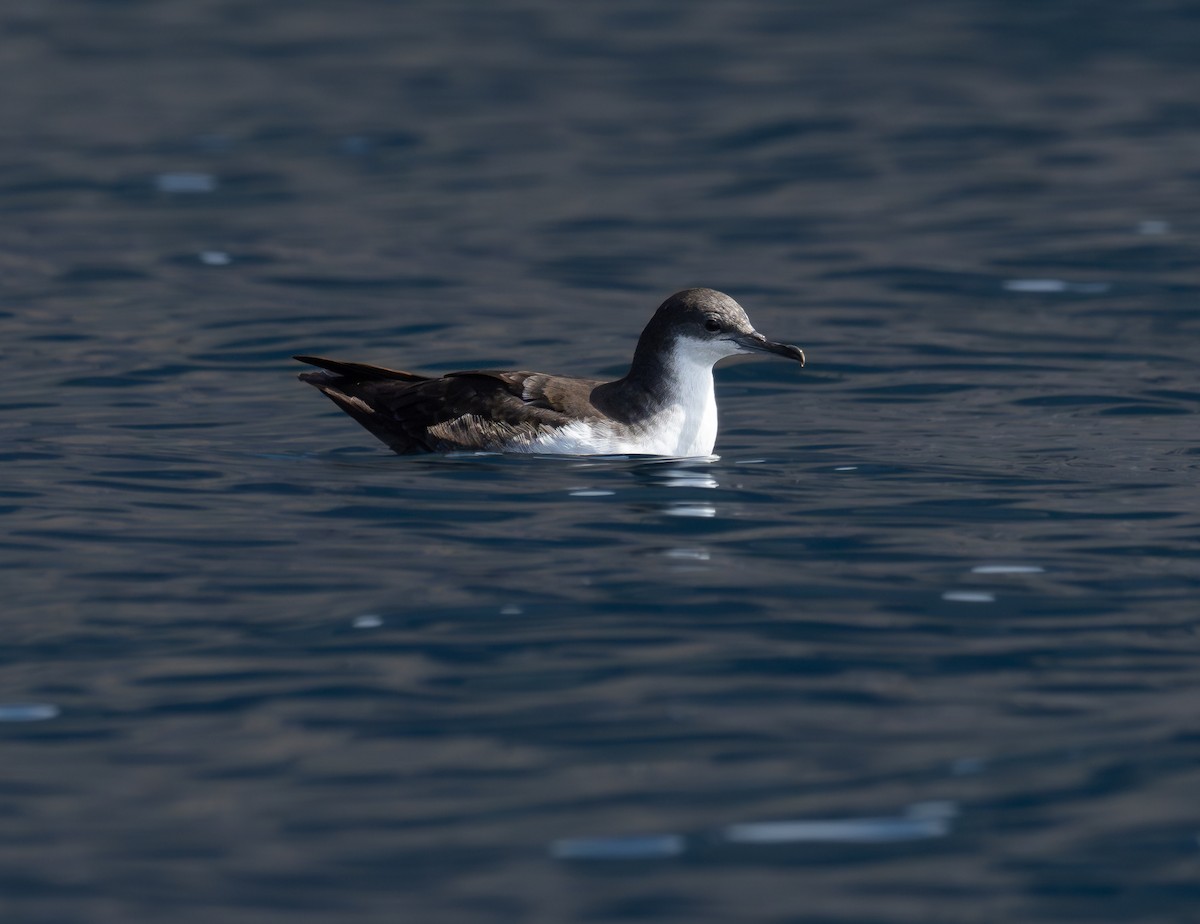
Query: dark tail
[359,372]
[361,390]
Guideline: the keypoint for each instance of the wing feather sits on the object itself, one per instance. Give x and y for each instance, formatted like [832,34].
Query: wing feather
[469,410]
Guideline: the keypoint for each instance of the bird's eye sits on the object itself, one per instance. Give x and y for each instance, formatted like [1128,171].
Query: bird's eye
[712,325]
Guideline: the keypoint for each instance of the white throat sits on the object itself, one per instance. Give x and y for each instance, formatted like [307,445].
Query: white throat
[687,423]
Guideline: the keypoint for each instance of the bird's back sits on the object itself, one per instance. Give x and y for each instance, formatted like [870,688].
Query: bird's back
[470,410]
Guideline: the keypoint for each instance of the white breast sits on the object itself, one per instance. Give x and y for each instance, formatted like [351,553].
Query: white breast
[687,424]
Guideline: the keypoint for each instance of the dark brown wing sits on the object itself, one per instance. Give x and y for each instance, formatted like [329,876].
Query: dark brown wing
[460,411]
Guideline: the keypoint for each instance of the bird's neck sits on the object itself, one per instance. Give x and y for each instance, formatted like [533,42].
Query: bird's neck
[659,383]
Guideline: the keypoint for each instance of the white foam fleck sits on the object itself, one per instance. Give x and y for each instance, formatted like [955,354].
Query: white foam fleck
[846,468]
[969,596]
[28,712]
[188,183]
[691,510]
[367,621]
[688,479]
[919,822]
[511,609]
[1035,285]
[592,492]
[1054,286]
[1008,569]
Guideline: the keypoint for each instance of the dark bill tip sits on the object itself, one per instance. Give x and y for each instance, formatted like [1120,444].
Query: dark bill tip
[760,344]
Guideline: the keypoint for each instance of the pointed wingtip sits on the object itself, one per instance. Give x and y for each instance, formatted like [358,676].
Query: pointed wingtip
[364,371]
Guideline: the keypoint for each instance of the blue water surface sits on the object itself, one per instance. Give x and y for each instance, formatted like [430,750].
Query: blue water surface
[921,644]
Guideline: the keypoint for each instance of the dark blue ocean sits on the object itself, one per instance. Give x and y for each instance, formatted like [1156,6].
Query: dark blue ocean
[921,645]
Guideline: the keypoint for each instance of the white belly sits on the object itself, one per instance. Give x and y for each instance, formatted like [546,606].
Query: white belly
[591,440]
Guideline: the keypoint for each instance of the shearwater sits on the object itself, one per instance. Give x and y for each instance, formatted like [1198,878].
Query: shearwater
[664,405]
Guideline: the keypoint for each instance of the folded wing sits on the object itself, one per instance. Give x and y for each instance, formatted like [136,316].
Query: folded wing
[474,410]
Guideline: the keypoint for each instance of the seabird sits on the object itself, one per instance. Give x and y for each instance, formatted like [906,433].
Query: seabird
[664,405]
